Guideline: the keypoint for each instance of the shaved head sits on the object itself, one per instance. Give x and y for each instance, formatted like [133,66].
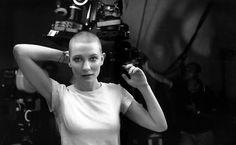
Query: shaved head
[84,37]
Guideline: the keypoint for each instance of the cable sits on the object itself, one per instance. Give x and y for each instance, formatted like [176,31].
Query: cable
[141,25]
[183,55]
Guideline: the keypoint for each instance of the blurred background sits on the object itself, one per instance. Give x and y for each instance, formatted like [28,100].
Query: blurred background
[166,32]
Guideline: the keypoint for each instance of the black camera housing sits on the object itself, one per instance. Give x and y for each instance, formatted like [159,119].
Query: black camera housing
[98,16]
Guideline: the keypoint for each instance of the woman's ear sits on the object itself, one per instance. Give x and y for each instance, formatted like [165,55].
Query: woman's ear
[69,64]
[103,58]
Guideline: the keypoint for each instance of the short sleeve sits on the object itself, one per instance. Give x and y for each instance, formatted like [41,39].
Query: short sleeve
[126,101]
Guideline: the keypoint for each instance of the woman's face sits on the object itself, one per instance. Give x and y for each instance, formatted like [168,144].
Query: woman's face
[86,60]
[194,86]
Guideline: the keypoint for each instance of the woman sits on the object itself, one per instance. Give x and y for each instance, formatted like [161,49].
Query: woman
[87,112]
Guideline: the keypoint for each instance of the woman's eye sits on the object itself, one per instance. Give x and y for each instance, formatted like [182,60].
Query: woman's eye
[93,58]
[77,59]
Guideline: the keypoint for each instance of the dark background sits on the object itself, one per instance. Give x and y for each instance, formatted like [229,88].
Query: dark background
[160,29]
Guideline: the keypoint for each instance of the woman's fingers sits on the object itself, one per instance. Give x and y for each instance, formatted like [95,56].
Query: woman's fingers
[130,68]
[125,77]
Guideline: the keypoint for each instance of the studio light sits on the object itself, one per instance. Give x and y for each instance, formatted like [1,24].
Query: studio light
[80,2]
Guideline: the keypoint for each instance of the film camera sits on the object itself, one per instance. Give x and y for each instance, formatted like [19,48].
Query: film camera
[23,108]
[102,17]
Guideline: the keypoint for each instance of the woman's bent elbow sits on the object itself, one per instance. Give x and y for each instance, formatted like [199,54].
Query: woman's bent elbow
[17,49]
[164,127]
[161,127]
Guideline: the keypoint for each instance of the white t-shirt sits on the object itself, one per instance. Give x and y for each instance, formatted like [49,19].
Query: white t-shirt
[89,118]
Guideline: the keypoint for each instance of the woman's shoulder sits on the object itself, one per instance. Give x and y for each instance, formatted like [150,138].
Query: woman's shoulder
[111,85]
[56,85]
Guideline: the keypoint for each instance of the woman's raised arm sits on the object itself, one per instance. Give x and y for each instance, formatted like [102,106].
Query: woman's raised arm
[27,55]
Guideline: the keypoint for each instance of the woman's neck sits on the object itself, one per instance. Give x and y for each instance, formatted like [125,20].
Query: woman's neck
[87,86]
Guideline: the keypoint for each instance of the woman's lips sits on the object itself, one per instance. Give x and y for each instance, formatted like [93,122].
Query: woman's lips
[87,75]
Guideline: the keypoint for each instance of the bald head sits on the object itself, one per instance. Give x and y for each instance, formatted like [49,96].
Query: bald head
[84,38]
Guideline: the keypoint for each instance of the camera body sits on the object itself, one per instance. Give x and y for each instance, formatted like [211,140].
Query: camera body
[102,17]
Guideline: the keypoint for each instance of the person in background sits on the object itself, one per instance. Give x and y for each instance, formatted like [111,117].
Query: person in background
[194,103]
[195,108]
[87,111]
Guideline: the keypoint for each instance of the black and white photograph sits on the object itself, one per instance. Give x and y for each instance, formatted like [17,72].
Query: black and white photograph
[118,72]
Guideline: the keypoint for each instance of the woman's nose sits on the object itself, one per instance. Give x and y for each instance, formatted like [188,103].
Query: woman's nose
[86,65]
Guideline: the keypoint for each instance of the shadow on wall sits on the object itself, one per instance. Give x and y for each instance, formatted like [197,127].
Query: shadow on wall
[166,29]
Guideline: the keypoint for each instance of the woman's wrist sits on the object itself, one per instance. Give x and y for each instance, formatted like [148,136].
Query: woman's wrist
[64,57]
[143,87]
